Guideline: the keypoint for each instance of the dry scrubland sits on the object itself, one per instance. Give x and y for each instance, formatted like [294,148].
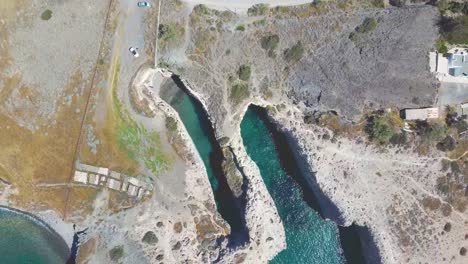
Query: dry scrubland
[42,92]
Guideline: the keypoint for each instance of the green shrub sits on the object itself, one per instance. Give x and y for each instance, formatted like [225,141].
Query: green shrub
[116,253]
[441,47]
[260,22]
[171,124]
[367,25]
[378,3]
[46,15]
[380,130]
[269,42]
[150,238]
[244,72]
[239,92]
[170,31]
[240,28]
[438,131]
[295,53]
[398,3]
[454,29]
[258,10]
[201,9]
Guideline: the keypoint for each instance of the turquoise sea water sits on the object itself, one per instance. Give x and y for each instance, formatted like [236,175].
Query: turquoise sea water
[25,241]
[199,128]
[310,239]
[192,117]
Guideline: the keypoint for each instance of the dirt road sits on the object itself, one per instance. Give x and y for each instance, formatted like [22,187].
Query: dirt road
[241,6]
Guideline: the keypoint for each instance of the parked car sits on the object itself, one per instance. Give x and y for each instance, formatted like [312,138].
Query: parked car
[143,4]
[134,52]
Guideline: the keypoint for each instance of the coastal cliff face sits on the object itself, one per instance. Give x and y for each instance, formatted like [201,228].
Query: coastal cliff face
[387,190]
[325,56]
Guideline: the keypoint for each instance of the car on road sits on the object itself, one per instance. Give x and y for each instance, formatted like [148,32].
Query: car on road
[143,4]
[134,52]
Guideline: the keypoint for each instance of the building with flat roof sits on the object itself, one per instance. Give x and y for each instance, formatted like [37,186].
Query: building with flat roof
[93,179]
[81,176]
[132,190]
[113,184]
[421,113]
[438,63]
[458,62]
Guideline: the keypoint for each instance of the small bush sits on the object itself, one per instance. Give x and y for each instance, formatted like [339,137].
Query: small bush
[201,9]
[380,130]
[269,42]
[398,3]
[239,92]
[170,31]
[116,253]
[258,10]
[295,53]
[46,15]
[441,47]
[438,131]
[260,22]
[367,25]
[244,72]
[240,28]
[454,30]
[150,238]
[378,3]
[171,124]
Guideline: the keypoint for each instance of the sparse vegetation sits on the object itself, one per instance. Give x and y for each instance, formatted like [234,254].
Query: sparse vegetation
[270,42]
[368,25]
[170,31]
[240,28]
[244,72]
[201,9]
[132,138]
[46,15]
[171,124]
[441,47]
[398,3]
[116,253]
[150,238]
[380,130]
[453,28]
[258,10]
[239,92]
[295,53]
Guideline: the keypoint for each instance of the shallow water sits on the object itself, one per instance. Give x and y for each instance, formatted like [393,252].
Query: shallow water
[310,239]
[24,240]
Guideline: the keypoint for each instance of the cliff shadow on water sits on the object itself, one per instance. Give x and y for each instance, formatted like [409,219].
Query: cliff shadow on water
[356,241]
[200,129]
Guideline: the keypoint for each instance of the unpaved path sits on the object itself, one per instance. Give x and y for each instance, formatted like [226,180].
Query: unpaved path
[240,6]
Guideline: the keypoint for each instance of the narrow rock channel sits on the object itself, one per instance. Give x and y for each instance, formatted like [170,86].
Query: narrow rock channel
[200,129]
[300,202]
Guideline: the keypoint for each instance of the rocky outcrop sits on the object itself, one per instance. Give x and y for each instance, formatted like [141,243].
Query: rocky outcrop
[233,174]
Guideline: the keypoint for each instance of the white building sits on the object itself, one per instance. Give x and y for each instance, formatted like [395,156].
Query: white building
[438,63]
[93,179]
[80,176]
[421,113]
[113,184]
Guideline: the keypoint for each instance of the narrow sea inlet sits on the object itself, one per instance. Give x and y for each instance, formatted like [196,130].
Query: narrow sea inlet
[309,238]
[24,239]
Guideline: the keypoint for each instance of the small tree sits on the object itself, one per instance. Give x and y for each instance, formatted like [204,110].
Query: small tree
[244,72]
[380,130]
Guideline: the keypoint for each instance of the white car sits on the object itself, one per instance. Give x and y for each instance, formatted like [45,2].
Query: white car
[143,4]
[134,52]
